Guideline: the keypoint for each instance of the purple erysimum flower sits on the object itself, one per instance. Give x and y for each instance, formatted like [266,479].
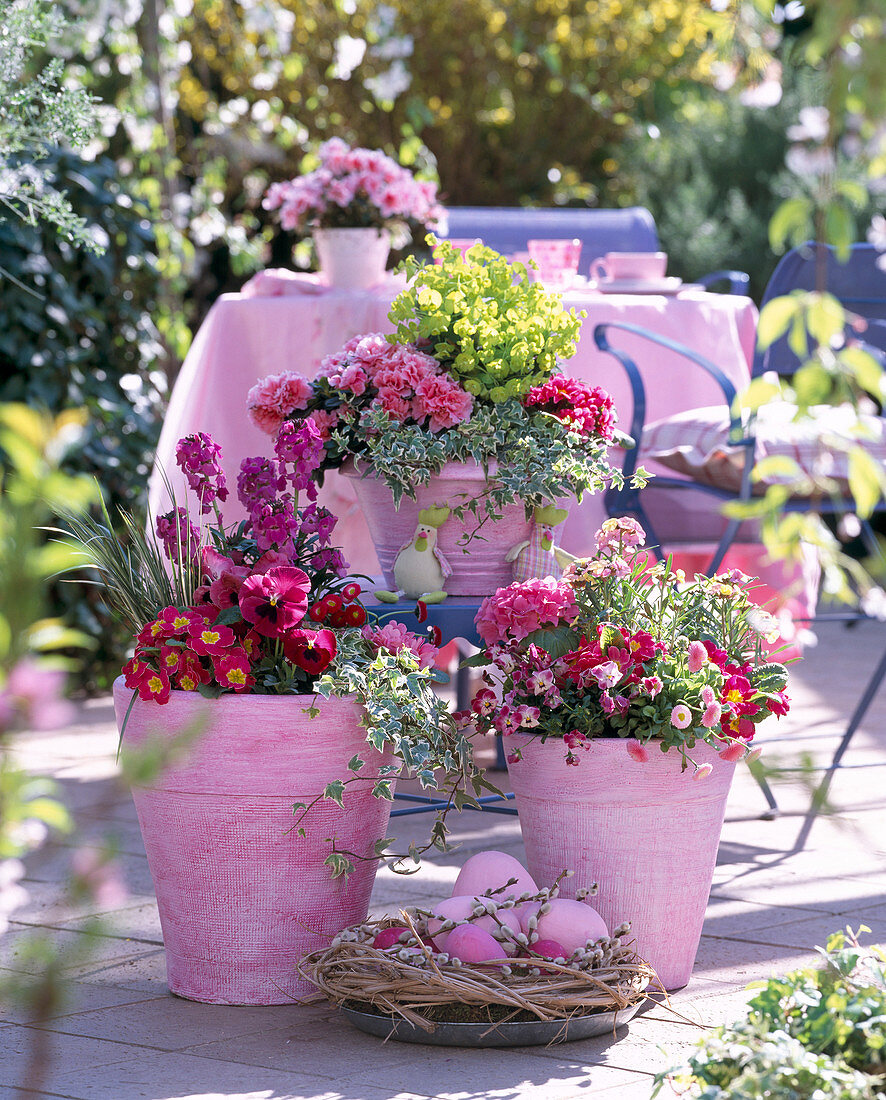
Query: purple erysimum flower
[300,446]
[180,538]
[198,457]
[319,521]
[275,602]
[274,525]
[258,482]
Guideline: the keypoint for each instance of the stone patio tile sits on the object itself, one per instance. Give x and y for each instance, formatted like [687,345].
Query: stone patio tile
[160,1076]
[168,1023]
[817,892]
[735,917]
[743,962]
[813,931]
[47,904]
[67,1054]
[78,997]
[144,972]
[140,922]
[507,1073]
[308,1044]
[706,1011]
[82,951]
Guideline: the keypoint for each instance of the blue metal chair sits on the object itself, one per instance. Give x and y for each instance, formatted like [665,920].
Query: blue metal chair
[508,229]
[860,285]
[455,618]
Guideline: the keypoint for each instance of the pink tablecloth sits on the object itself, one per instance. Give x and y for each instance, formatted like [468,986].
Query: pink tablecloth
[284,321]
[289,322]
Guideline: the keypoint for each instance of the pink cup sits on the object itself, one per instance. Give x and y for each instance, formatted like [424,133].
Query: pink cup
[557,259]
[615,266]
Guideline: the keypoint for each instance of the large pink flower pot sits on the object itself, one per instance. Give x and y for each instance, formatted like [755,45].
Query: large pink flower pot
[646,833]
[241,896]
[478,563]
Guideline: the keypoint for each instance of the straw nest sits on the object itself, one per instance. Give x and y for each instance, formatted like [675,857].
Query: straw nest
[414,981]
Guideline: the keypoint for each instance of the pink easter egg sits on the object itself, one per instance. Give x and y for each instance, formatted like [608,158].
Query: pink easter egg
[388,937]
[491,870]
[458,909]
[571,924]
[472,945]
[550,949]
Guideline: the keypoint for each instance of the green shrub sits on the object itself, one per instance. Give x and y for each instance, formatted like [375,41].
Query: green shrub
[817,1034]
[76,331]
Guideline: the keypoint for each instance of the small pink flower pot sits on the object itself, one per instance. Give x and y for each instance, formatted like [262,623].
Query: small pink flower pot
[241,896]
[475,551]
[645,832]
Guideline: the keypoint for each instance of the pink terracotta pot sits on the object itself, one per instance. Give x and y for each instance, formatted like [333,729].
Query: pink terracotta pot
[241,896]
[647,834]
[478,564]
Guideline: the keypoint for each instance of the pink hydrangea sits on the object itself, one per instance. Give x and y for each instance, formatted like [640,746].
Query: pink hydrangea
[515,612]
[395,636]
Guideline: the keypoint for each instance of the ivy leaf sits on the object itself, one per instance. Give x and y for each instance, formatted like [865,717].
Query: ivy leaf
[335,791]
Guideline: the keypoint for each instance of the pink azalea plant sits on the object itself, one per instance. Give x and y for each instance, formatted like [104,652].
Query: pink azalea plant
[624,647]
[354,188]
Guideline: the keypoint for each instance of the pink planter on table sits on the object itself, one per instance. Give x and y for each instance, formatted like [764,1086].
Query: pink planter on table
[478,565]
[241,896]
[646,833]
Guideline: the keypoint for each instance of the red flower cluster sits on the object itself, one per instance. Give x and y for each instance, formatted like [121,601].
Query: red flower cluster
[583,408]
[737,696]
[184,648]
[188,647]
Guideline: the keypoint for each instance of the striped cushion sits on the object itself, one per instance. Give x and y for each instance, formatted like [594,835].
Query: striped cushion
[695,443]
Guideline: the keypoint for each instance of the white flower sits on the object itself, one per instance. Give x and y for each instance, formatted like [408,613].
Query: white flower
[877,237]
[813,125]
[873,603]
[349,52]
[388,85]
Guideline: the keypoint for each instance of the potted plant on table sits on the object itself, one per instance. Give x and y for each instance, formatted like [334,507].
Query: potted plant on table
[616,689]
[251,640]
[460,408]
[356,203]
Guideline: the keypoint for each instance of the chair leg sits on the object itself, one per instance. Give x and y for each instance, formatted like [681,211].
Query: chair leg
[759,774]
[855,721]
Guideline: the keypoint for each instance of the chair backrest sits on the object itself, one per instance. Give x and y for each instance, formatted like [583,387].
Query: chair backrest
[507,229]
[858,283]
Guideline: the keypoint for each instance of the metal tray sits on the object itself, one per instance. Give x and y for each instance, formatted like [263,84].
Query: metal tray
[508,1034]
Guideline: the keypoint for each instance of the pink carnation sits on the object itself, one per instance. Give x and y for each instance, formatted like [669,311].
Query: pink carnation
[397,407]
[270,401]
[515,612]
[444,401]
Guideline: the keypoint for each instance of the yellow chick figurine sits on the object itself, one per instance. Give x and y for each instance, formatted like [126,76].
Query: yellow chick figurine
[420,569]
